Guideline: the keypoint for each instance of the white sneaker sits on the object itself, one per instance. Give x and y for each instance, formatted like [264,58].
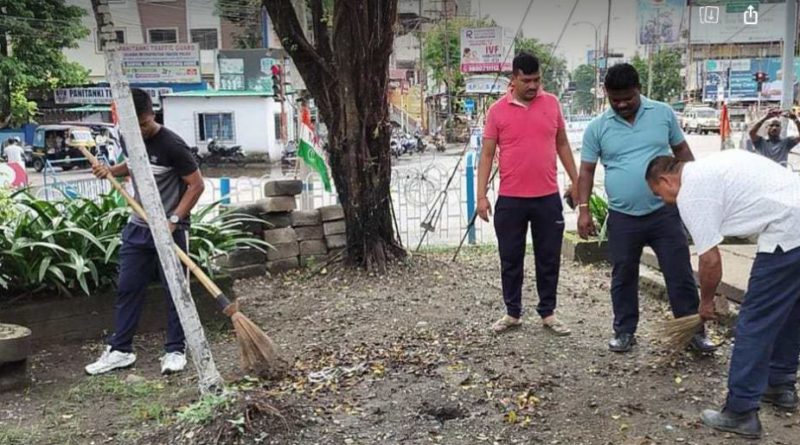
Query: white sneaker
[173,362]
[111,360]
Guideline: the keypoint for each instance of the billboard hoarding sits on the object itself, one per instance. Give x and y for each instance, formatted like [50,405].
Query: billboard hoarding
[733,80]
[246,70]
[721,24]
[99,95]
[161,63]
[486,84]
[659,21]
[485,49]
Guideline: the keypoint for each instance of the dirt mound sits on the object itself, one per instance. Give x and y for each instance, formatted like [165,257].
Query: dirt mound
[239,418]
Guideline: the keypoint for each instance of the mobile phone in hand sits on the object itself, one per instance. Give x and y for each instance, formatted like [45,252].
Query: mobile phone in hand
[568,200]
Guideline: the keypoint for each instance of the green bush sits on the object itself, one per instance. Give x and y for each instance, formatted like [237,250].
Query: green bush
[598,207]
[72,245]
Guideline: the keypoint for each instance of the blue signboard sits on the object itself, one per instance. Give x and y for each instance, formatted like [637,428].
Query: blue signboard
[734,79]
[469,106]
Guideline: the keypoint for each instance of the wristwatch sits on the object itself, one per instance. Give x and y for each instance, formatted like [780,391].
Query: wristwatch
[174,219]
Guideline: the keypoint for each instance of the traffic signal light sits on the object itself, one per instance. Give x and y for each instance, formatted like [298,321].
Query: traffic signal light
[276,81]
[761,77]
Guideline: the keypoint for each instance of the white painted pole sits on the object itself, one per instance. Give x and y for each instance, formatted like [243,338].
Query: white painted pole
[209,378]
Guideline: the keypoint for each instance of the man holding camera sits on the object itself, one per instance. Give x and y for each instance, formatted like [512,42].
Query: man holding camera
[774,146]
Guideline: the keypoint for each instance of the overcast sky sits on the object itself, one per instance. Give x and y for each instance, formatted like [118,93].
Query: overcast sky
[547,17]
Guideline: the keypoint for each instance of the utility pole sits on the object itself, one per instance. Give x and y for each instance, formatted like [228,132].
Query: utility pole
[447,64]
[422,78]
[789,42]
[284,120]
[209,378]
[653,47]
[608,31]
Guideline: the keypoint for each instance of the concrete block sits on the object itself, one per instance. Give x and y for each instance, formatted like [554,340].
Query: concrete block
[283,251]
[242,257]
[309,233]
[278,204]
[280,266]
[303,218]
[283,187]
[331,213]
[253,270]
[314,247]
[280,236]
[336,241]
[334,228]
[277,220]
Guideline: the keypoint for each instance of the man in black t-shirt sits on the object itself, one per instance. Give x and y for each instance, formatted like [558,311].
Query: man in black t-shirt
[180,185]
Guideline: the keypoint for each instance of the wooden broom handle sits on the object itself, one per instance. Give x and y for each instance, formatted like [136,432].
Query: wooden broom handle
[185,259]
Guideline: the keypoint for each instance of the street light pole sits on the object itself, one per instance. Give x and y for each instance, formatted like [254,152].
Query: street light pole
[596,51]
[789,42]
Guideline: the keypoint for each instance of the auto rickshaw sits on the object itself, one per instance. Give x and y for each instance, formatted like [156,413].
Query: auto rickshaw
[60,143]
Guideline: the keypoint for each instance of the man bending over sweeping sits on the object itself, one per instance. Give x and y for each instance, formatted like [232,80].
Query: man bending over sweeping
[180,185]
[735,193]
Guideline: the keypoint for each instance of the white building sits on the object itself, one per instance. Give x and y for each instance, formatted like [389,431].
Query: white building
[247,118]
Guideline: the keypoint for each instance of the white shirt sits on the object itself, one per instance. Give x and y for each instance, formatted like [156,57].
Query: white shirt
[736,193]
[15,154]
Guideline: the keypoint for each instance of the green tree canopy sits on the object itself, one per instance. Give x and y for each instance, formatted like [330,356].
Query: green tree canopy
[442,50]
[667,81]
[554,68]
[583,76]
[33,34]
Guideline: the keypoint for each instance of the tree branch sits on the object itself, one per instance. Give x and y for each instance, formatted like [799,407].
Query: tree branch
[293,39]
[322,37]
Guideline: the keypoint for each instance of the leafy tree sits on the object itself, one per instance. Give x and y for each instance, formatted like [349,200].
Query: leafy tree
[33,34]
[442,51]
[346,69]
[667,81]
[583,99]
[554,68]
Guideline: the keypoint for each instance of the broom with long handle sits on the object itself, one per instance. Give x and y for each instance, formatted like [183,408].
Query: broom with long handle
[258,352]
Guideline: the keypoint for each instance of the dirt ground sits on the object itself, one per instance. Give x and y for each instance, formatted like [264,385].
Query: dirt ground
[405,358]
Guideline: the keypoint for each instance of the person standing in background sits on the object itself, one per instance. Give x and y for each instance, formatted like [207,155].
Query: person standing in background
[527,127]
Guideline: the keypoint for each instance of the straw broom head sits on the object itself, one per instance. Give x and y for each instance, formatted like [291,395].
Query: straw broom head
[676,334]
[257,351]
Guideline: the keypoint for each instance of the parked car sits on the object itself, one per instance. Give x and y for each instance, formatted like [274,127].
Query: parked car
[60,143]
[701,120]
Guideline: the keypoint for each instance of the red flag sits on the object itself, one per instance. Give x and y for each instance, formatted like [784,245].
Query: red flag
[114,117]
[724,123]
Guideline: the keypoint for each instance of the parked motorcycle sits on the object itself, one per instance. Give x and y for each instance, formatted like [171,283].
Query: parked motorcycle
[395,148]
[421,145]
[289,157]
[218,154]
[439,142]
[409,144]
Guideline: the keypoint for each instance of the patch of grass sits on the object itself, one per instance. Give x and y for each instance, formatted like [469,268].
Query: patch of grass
[112,385]
[155,411]
[203,411]
[10,435]
[466,249]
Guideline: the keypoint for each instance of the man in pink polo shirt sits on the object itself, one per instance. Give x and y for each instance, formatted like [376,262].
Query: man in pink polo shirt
[527,126]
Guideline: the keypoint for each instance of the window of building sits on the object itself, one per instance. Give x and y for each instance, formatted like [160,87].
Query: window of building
[218,126]
[162,35]
[118,32]
[206,38]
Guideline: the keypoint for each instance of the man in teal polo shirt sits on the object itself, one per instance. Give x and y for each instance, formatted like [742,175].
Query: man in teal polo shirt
[625,138]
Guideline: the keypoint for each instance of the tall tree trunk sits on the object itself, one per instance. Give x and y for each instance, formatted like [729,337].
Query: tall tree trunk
[5,86]
[349,82]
